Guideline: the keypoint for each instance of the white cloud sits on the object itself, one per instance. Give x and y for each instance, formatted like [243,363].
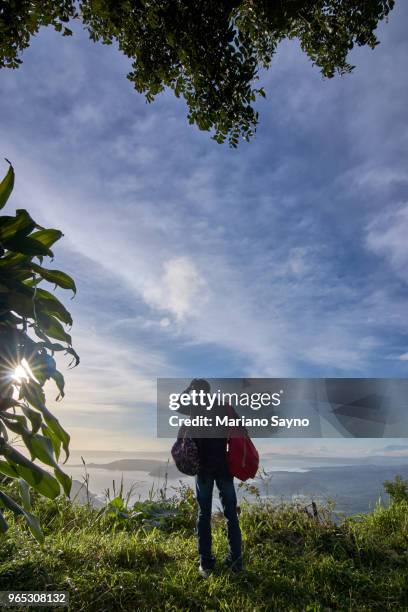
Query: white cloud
[181,289]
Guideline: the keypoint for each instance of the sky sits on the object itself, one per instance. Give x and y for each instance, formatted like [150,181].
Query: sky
[285,257]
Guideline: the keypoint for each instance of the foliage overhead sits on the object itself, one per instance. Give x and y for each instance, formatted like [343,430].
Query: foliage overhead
[31,321]
[209,52]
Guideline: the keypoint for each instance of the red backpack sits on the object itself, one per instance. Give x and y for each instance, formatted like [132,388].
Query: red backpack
[242,456]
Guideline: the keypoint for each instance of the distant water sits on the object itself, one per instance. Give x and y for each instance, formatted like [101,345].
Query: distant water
[141,483]
[353,484]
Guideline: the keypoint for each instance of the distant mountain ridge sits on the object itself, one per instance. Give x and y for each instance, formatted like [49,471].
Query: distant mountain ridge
[128,465]
[354,488]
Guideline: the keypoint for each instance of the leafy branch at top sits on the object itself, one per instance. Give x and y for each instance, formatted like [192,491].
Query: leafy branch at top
[209,52]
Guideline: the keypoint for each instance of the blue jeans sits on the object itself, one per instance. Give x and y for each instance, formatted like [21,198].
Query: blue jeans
[228,497]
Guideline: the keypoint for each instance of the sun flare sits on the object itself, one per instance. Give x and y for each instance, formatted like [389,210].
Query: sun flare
[23,373]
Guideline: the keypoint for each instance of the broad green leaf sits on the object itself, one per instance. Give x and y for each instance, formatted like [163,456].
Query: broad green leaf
[10,504]
[56,442]
[15,424]
[13,259]
[47,304]
[9,318]
[59,347]
[59,381]
[53,328]
[64,479]
[31,520]
[8,402]
[25,494]
[8,470]
[34,526]
[55,276]
[59,431]
[19,273]
[32,282]
[117,503]
[21,304]
[17,286]
[34,394]
[40,448]
[21,223]
[47,237]
[39,479]
[6,186]
[27,246]
[18,418]
[34,417]
[52,346]
[42,366]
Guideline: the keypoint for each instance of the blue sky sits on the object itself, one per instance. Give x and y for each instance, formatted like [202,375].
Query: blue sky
[286,257]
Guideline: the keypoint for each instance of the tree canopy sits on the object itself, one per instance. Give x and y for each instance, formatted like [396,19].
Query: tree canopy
[209,52]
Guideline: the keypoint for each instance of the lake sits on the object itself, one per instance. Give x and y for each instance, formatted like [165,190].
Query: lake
[140,481]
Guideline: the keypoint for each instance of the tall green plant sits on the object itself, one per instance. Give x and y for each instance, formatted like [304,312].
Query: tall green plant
[397,489]
[32,329]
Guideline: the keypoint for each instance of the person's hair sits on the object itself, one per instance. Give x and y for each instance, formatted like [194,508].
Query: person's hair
[199,384]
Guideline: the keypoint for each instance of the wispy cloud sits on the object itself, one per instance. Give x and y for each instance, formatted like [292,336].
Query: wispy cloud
[387,237]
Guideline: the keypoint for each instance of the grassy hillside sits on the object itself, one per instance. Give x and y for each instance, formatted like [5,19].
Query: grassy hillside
[145,558]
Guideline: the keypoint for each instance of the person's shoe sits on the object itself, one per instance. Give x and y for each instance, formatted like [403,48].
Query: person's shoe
[204,572]
[234,566]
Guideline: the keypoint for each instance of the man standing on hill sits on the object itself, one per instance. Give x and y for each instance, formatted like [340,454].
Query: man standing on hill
[213,468]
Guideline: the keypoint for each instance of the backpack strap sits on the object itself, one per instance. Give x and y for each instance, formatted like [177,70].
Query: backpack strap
[232,414]
[230,411]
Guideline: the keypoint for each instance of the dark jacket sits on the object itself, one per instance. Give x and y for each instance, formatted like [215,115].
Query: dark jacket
[212,451]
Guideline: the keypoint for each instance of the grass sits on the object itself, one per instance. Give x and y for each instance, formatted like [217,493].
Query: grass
[145,558]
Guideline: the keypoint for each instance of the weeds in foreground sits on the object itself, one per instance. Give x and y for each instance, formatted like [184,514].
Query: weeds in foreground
[143,557]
